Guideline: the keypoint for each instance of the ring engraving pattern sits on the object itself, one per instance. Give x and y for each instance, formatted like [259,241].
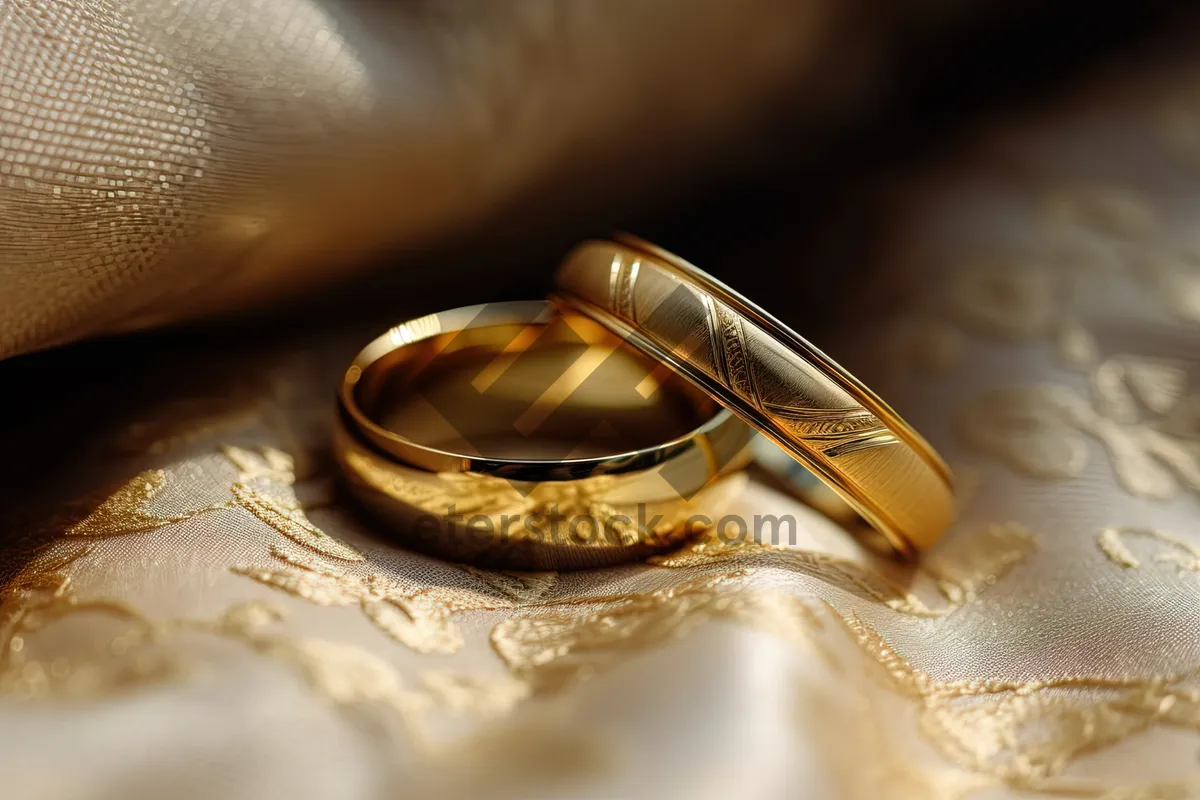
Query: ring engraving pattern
[771,378]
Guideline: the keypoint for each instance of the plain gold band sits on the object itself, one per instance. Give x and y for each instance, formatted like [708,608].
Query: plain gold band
[527,513]
[719,430]
[589,522]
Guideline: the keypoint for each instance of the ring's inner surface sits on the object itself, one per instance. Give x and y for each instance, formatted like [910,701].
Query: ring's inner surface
[566,388]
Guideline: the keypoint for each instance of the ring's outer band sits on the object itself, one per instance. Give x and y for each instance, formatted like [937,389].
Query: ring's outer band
[495,522]
[526,513]
[769,376]
[722,430]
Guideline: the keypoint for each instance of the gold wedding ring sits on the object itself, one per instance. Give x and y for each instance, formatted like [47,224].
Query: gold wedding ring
[578,433]
[520,435]
[770,377]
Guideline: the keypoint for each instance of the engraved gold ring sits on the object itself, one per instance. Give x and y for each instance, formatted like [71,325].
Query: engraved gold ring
[774,380]
[515,435]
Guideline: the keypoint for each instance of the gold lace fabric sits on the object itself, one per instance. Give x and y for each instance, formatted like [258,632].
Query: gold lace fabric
[212,602]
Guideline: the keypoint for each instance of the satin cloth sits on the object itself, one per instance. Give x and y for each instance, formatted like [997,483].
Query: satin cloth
[190,608]
[161,159]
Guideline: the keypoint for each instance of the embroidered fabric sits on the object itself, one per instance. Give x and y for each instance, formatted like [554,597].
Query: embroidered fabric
[191,608]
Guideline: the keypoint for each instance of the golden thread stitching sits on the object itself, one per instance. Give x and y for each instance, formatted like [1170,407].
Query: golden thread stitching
[993,733]
[421,620]
[41,596]
[991,554]
[1184,556]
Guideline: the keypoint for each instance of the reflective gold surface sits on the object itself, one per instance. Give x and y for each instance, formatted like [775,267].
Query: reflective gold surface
[513,435]
[780,384]
[568,524]
[519,390]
